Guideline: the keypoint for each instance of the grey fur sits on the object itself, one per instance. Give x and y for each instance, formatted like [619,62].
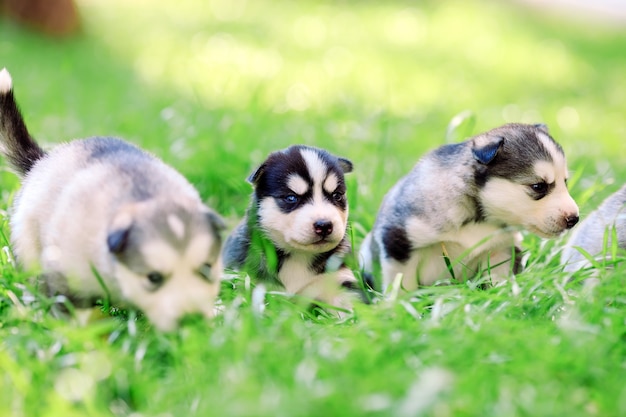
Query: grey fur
[590,234]
[446,193]
[104,205]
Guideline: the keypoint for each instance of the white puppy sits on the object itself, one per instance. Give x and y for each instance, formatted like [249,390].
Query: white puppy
[101,218]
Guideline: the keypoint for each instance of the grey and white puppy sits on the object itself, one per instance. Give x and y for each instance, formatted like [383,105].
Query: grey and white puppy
[589,235]
[294,232]
[101,218]
[461,208]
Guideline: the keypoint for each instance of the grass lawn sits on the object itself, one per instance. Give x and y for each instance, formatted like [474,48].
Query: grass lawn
[212,87]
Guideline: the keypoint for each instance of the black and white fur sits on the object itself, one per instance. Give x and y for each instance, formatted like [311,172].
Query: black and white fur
[589,235]
[294,232]
[101,218]
[460,209]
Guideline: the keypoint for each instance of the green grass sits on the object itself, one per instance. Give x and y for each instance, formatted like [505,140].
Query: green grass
[212,87]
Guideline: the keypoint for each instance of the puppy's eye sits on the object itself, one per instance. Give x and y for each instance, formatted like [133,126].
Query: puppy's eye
[205,272]
[156,278]
[291,199]
[337,196]
[540,187]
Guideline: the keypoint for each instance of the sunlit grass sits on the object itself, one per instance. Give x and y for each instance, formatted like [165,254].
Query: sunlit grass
[212,87]
[415,66]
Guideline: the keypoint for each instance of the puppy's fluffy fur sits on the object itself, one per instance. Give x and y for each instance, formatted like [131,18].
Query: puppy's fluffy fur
[590,234]
[460,209]
[294,230]
[101,218]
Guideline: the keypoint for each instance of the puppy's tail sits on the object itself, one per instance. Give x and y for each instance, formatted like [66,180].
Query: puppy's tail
[16,144]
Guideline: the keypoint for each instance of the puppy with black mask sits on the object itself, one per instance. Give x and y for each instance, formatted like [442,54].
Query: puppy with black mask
[294,233]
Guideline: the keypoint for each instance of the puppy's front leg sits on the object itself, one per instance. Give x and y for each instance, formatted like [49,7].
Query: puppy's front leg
[391,268]
[502,264]
[338,289]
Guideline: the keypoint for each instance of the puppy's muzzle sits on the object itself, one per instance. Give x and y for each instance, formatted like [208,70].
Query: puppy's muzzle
[323,228]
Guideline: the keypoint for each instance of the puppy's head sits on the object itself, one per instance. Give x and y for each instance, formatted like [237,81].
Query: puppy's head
[521,175]
[301,197]
[167,258]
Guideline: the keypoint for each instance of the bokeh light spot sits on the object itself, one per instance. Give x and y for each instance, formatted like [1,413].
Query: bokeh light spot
[567,118]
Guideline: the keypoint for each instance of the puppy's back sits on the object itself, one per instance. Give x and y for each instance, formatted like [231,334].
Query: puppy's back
[104,165]
[89,180]
[236,247]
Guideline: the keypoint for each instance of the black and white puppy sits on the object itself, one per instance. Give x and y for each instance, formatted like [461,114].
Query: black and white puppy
[460,210]
[294,232]
[100,218]
[590,234]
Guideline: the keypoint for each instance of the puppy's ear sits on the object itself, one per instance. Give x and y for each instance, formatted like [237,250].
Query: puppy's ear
[254,177]
[345,164]
[215,220]
[217,226]
[119,230]
[117,240]
[542,126]
[487,151]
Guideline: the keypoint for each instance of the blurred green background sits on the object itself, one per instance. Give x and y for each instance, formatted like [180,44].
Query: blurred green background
[212,87]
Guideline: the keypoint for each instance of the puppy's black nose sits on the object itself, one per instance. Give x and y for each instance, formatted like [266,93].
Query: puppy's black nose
[323,228]
[571,221]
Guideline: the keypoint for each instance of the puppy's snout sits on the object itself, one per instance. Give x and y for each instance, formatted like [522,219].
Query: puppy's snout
[323,228]
[570,221]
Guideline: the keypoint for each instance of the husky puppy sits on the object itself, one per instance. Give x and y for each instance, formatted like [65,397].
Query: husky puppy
[101,218]
[294,232]
[460,209]
[589,235]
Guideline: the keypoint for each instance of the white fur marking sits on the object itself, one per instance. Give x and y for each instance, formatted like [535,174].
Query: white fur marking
[420,232]
[5,81]
[317,168]
[198,249]
[547,171]
[330,185]
[159,256]
[123,219]
[557,156]
[297,184]
[177,226]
